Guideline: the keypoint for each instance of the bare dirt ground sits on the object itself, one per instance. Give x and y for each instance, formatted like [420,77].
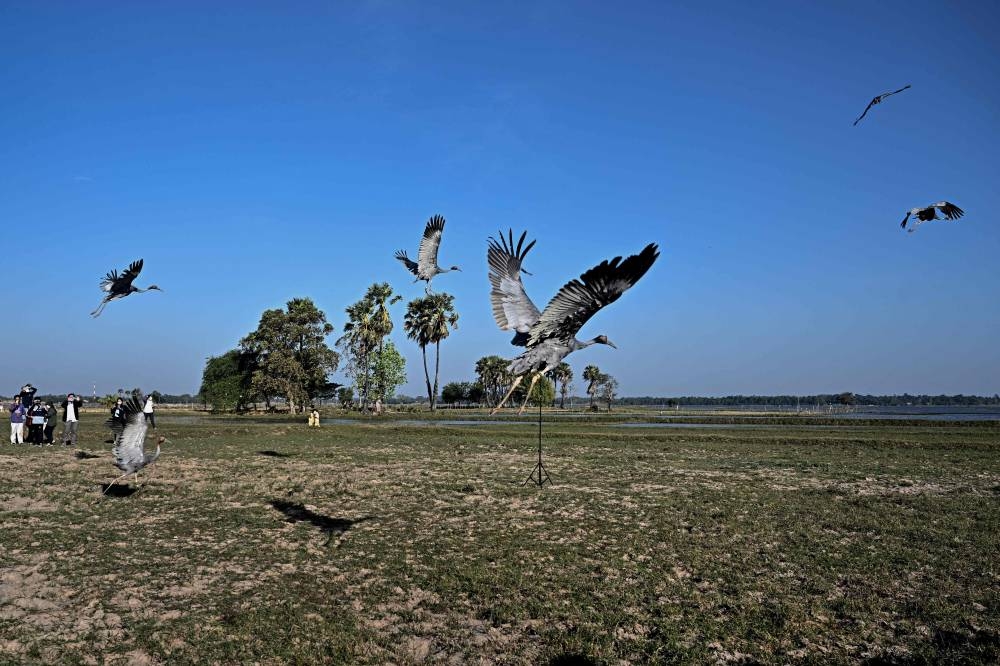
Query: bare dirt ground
[271,543]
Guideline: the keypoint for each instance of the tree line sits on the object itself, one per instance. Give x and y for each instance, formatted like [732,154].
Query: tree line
[287,357]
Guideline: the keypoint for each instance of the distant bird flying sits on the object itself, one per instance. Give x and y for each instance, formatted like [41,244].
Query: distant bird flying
[550,335]
[878,100]
[128,452]
[120,286]
[426,266]
[928,213]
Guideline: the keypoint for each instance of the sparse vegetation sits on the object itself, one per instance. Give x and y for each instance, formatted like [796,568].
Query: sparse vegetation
[261,540]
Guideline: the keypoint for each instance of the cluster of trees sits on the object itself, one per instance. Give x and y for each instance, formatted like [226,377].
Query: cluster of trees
[287,356]
[493,381]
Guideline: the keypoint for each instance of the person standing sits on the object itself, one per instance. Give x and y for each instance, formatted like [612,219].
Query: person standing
[118,413]
[36,422]
[27,395]
[147,411]
[17,414]
[50,423]
[71,418]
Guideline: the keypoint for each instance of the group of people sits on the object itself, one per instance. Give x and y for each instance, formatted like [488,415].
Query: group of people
[41,420]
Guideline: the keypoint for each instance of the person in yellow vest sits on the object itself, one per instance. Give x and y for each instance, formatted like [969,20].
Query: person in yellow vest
[314,418]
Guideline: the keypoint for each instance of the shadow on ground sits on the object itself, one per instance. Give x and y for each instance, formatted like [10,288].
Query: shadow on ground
[117,490]
[298,513]
[85,455]
[274,454]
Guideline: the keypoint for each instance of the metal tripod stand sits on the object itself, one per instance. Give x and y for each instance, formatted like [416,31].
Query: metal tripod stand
[539,475]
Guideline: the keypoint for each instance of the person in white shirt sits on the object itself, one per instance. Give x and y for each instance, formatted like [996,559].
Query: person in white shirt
[71,418]
[147,411]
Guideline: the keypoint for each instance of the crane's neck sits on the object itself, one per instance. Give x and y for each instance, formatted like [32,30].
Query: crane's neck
[582,344]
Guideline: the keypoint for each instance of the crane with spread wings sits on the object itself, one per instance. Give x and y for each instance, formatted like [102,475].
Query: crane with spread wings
[549,335]
[119,286]
[426,265]
[130,434]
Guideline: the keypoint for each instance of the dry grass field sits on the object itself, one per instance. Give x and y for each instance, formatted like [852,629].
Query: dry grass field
[263,541]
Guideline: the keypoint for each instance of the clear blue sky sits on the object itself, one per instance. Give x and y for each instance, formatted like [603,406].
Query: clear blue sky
[258,152]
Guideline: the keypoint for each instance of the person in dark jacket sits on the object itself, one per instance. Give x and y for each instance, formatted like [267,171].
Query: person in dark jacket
[27,395]
[71,418]
[50,423]
[36,422]
[118,412]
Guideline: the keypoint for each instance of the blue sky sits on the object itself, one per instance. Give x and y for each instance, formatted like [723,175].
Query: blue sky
[261,152]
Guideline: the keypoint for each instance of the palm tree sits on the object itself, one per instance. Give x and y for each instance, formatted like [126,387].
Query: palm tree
[359,339]
[494,377]
[562,375]
[427,320]
[593,376]
[381,297]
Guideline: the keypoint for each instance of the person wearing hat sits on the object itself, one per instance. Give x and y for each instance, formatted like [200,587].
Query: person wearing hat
[71,418]
[36,422]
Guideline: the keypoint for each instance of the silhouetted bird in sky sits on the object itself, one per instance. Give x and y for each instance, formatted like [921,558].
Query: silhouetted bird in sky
[426,265]
[878,100]
[928,213]
[120,286]
[550,335]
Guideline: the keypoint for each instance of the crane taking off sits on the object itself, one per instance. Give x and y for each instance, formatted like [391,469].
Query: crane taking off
[426,265]
[550,335]
[128,452]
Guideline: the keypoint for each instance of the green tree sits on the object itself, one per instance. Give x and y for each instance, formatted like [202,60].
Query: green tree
[290,354]
[225,382]
[562,375]
[608,389]
[493,378]
[368,324]
[846,398]
[388,369]
[346,397]
[427,322]
[543,392]
[592,375]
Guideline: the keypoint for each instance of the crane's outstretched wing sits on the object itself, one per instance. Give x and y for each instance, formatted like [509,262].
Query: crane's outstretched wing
[949,210]
[114,282]
[512,309]
[428,251]
[409,263]
[127,450]
[579,300]
[876,100]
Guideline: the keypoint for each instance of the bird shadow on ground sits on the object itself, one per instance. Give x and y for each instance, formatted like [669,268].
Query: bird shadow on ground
[274,454]
[571,659]
[85,455]
[333,527]
[118,490]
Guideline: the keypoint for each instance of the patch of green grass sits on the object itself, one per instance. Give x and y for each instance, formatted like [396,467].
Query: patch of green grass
[261,540]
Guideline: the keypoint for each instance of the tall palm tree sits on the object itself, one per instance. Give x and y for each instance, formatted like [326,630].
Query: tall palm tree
[360,339]
[593,376]
[562,374]
[381,297]
[494,377]
[427,322]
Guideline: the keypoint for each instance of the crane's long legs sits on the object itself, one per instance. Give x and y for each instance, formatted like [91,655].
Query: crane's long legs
[100,309]
[512,387]
[114,482]
[527,395]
